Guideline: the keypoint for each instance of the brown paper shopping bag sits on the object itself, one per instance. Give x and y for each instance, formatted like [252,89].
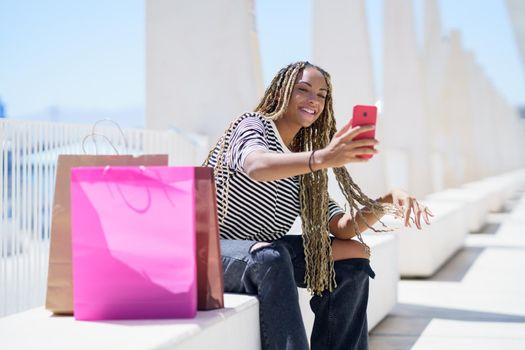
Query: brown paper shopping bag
[59,298]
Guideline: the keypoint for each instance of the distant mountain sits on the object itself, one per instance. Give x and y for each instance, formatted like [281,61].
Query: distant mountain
[132,117]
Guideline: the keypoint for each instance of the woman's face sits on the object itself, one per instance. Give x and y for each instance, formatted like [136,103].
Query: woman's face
[308,98]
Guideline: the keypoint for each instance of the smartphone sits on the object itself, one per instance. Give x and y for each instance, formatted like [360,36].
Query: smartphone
[365,115]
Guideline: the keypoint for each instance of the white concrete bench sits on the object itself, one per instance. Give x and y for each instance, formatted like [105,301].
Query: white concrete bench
[234,327]
[499,188]
[496,192]
[384,260]
[422,252]
[477,204]
[512,181]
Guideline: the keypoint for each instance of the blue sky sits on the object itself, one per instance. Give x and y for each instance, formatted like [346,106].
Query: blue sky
[71,53]
[90,54]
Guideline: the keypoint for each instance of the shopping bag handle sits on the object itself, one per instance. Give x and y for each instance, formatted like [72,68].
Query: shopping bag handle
[94,133]
[144,171]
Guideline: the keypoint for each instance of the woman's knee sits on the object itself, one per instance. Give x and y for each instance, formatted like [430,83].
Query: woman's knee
[343,249]
[272,254]
[258,245]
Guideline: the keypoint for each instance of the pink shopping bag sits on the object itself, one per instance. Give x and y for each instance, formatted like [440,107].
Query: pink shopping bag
[133,242]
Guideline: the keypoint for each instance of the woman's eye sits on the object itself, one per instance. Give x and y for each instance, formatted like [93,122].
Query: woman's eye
[322,96]
[302,89]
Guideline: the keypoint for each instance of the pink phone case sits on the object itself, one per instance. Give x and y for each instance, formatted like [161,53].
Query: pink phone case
[365,115]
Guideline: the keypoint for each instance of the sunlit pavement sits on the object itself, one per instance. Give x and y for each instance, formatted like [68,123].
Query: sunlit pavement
[475,301]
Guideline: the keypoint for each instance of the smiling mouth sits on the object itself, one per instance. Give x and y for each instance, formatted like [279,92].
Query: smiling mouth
[308,110]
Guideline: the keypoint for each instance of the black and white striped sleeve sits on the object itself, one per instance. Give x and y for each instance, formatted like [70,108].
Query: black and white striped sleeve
[248,136]
[333,209]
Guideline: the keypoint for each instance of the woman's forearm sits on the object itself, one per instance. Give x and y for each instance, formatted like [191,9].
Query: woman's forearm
[342,150]
[343,227]
[266,166]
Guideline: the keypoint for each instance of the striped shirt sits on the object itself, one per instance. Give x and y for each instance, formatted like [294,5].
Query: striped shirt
[257,210]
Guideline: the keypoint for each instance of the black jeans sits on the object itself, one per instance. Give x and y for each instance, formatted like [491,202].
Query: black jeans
[274,272]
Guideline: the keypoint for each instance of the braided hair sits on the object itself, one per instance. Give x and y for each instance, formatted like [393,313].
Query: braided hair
[314,198]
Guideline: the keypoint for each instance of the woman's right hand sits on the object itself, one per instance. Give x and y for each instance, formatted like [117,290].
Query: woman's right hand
[343,149]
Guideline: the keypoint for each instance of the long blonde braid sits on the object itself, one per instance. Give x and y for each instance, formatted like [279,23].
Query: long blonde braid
[314,197]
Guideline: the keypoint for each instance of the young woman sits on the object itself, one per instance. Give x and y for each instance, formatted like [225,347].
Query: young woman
[271,166]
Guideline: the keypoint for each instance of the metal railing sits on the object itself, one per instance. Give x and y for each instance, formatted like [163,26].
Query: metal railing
[27,182]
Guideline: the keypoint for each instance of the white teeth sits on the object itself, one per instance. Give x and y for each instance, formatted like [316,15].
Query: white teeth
[308,110]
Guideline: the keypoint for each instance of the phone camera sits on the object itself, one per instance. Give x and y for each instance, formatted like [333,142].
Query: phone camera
[364,114]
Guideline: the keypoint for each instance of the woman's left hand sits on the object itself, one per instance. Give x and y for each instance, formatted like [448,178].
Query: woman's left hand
[410,206]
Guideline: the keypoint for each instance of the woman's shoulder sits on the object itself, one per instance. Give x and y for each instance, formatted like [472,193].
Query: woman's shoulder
[253,118]
[254,115]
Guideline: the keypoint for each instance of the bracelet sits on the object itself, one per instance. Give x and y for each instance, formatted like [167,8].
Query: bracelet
[310,161]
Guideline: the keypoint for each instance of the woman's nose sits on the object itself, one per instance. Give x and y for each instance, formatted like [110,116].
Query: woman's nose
[312,99]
